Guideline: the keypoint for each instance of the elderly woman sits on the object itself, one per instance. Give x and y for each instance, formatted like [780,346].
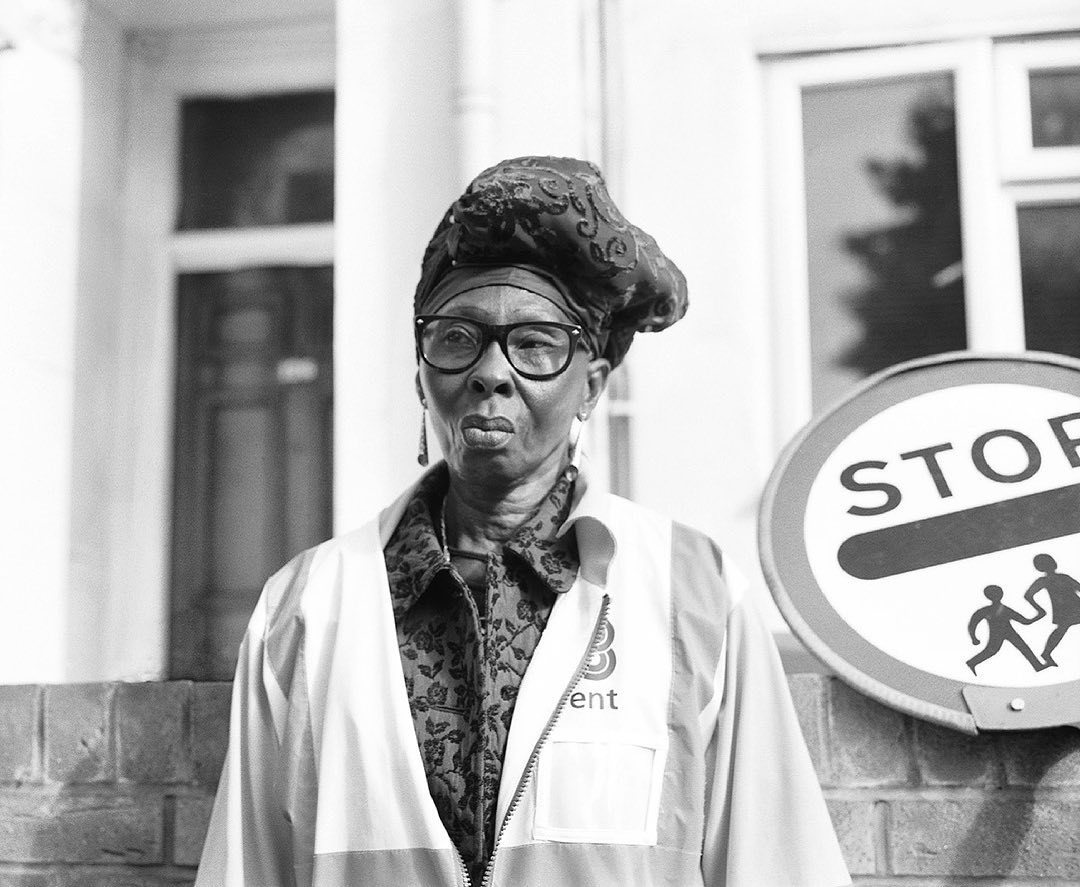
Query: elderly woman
[511,678]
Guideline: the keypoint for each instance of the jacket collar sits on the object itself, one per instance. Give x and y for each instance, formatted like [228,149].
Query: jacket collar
[592,519]
[414,553]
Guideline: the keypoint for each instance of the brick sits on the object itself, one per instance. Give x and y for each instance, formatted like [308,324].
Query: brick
[77,739]
[18,729]
[102,876]
[979,837]
[1042,758]
[808,692]
[948,757]
[855,825]
[868,742]
[210,730]
[17,876]
[192,816]
[61,825]
[152,732]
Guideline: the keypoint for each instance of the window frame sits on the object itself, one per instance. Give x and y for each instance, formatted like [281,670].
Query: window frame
[1014,61]
[1029,194]
[166,69]
[993,305]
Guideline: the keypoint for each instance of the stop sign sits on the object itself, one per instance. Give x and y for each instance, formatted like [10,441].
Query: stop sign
[923,539]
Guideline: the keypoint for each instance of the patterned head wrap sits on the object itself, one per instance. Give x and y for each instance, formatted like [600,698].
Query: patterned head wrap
[552,217]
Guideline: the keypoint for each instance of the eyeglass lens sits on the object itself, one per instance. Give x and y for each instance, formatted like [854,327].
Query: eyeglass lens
[535,348]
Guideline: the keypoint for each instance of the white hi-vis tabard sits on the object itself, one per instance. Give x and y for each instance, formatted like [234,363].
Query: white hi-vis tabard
[653,740]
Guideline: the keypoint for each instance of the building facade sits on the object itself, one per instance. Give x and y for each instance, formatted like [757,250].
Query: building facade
[211,223]
[214,216]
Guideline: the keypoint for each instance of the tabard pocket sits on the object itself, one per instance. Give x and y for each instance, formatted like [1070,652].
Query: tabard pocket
[604,792]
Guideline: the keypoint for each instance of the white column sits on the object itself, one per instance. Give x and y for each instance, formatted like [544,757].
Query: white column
[397,171]
[40,150]
[474,109]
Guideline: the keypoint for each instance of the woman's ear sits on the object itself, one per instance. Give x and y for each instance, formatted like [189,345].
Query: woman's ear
[596,377]
[420,390]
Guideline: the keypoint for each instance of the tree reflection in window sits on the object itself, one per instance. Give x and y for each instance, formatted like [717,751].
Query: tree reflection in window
[913,302]
[883,226]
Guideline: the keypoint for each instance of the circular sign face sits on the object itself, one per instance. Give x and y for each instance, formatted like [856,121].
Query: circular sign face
[923,539]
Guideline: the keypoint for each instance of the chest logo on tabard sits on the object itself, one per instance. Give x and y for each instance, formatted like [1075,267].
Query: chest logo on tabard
[923,538]
[601,663]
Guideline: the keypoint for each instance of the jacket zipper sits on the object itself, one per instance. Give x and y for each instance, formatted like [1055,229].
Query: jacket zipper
[465,879]
[530,765]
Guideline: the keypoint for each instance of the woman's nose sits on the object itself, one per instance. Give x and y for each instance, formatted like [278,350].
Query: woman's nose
[492,374]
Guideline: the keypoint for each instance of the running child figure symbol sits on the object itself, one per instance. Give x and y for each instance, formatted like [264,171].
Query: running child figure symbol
[999,621]
[1064,594]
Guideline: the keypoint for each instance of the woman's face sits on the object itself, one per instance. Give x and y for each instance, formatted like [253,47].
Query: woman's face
[492,423]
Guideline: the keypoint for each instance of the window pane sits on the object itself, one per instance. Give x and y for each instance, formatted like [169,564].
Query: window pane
[244,513]
[1050,269]
[619,431]
[253,447]
[257,161]
[883,227]
[1055,107]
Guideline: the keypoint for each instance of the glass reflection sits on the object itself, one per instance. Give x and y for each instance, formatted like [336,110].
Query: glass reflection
[883,227]
[1055,107]
[257,161]
[1050,273]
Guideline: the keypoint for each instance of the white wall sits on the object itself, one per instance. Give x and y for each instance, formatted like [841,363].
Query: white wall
[676,118]
[793,25]
[693,176]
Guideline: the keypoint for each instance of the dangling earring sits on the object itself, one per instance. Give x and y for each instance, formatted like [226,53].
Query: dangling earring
[576,424]
[422,453]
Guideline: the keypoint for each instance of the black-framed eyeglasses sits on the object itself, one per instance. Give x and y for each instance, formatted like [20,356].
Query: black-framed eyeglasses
[536,349]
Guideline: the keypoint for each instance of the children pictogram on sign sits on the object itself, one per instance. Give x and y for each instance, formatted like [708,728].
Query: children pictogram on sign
[999,620]
[1064,593]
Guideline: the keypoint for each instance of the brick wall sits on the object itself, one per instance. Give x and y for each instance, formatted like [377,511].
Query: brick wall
[107,785]
[917,804]
[111,784]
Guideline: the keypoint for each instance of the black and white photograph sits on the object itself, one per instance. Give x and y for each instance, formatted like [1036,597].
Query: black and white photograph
[539,443]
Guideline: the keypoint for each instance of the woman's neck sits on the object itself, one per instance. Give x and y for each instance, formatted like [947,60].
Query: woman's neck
[481,516]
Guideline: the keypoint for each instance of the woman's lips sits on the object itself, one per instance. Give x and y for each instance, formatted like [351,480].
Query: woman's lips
[486,432]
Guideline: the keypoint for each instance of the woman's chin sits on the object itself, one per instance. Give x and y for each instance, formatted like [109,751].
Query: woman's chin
[484,457]
[486,463]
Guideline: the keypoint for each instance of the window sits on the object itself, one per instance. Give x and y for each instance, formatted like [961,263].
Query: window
[1038,82]
[608,435]
[267,160]
[883,226]
[252,467]
[224,351]
[925,201]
